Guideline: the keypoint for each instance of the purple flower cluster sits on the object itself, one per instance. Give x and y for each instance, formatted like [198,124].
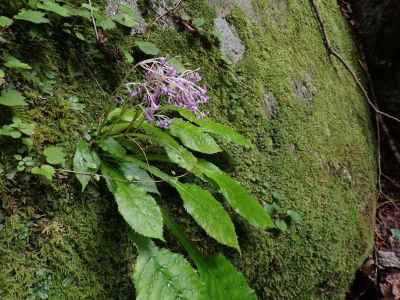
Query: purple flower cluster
[164,85]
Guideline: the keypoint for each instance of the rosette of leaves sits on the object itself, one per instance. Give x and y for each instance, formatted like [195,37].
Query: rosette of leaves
[116,153]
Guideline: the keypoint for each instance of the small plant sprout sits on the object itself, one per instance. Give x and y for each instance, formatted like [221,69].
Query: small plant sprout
[164,85]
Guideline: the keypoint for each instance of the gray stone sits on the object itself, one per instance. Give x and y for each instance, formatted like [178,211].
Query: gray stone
[162,7]
[230,44]
[113,7]
[224,7]
[388,259]
[304,89]
[270,105]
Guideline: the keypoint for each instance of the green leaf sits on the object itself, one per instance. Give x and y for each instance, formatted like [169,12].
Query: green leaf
[139,176]
[139,210]
[294,216]
[237,196]
[198,22]
[54,7]
[2,74]
[5,22]
[208,213]
[12,97]
[126,16]
[147,48]
[8,130]
[210,126]
[396,233]
[33,16]
[111,146]
[54,155]
[44,170]
[23,126]
[14,63]
[281,225]
[221,279]
[176,153]
[180,68]
[193,137]
[162,274]
[85,161]
[105,22]
[127,55]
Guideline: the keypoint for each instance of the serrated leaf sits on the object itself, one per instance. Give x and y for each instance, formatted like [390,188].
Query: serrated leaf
[33,16]
[12,97]
[237,196]
[111,146]
[147,48]
[139,210]
[85,160]
[139,176]
[5,22]
[44,170]
[162,274]
[193,137]
[14,63]
[221,279]
[211,126]
[126,16]
[176,153]
[54,155]
[54,7]
[208,213]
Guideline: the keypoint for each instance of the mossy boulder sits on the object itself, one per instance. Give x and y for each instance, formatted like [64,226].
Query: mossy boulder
[314,154]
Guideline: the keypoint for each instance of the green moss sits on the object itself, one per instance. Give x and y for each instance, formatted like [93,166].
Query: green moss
[75,246]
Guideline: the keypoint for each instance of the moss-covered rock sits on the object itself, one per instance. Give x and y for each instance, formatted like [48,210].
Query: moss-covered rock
[314,155]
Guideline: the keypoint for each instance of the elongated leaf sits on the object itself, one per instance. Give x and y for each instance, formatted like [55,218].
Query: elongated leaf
[33,16]
[5,22]
[14,63]
[12,97]
[85,160]
[176,153]
[208,213]
[137,207]
[139,177]
[139,210]
[148,48]
[237,196]
[111,146]
[54,7]
[221,280]
[193,137]
[162,274]
[211,126]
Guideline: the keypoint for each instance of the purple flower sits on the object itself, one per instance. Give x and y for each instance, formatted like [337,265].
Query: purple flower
[164,85]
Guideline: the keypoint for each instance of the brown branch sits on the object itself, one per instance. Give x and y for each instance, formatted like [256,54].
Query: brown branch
[335,53]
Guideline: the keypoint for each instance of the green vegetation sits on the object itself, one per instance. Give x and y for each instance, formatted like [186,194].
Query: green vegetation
[315,158]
